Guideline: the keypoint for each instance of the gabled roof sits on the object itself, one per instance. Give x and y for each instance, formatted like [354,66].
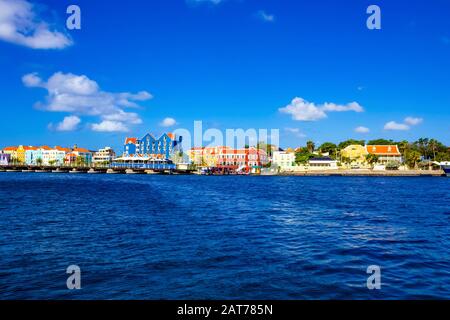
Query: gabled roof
[81,150]
[46,148]
[10,149]
[62,149]
[383,150]
[131,140]
[30,148]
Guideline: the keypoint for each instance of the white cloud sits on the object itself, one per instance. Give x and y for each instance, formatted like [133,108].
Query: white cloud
[296,132]
[302,110]
[352,106]
[265,16]
[406,125]
[19,24]
[31,80]
[109,126]
[80,95]
[362,129]
[413,121]
[392,125]
[69,123]
[168,122]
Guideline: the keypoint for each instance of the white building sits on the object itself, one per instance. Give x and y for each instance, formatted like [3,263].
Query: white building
[323,163]
[105,155]
[54,156]
[284,160]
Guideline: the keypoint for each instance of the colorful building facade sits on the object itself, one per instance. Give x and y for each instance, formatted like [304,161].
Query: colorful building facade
[385,154]
[4,158]
[229,159]
[356,153]
[165,145]
[78,156]
[105,155]
[283,159]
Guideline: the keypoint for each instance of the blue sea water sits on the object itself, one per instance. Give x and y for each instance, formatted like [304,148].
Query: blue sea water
[230,237]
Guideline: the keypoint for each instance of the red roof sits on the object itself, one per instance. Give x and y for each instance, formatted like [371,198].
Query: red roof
[10,149]
[131,140]
[62,149]
[81,150]
[384,150]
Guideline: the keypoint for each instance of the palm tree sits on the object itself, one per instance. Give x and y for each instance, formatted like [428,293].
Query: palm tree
[412,159]
[372,159]
[432,145]
[422,144]
[310,146]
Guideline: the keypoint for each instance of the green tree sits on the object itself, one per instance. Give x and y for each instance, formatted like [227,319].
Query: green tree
[412,158]
[346,143]
[330,148]
[372,159]
[382,142]
[442,156]
[39,161]
[80,161]
[346,160]
[302,156]
[393,165]
[310,145]
[422,146]
[433,146]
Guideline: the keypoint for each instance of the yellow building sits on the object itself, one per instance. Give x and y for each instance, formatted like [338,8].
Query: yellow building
[21,154]
[356,153]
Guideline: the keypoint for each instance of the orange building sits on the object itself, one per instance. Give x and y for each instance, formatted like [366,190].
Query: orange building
[385,153]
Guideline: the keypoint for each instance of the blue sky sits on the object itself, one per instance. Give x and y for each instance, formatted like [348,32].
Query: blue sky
[229,63]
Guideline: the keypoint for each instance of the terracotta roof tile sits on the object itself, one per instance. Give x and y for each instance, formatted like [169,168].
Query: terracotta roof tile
[383,150]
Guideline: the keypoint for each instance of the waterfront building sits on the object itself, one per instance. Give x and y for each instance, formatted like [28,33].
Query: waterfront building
[229,159]
[150,152]
[166,145]
[356,154]
[204,156]
[48,156]
[20,152]
[58,155]
[4,158]
[284,160]
[322,163]
[104,156]
[54,156]
[385,154]
[79,156]
[130,146]
[32,155]
[12,151]
[249,160]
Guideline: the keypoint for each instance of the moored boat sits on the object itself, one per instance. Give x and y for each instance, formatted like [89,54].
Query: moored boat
[446,167]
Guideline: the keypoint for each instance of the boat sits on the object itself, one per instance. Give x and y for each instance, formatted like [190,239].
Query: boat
[446,167]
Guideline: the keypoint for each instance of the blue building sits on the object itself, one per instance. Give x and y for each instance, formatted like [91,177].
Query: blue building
[164,146]
[149,152]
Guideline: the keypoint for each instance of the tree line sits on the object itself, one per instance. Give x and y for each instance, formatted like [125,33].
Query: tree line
[422,151]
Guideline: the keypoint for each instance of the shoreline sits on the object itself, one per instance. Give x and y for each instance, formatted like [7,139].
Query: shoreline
[368,173]
[312,173]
